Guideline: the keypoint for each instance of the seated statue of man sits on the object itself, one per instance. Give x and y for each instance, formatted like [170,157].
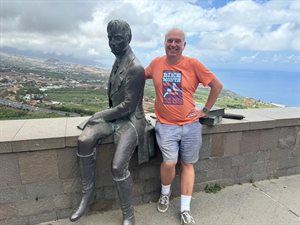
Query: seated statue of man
[124,119]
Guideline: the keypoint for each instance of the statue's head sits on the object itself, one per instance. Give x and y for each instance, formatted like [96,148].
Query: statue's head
[119,36]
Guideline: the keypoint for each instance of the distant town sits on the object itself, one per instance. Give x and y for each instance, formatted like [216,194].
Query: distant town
[50,85]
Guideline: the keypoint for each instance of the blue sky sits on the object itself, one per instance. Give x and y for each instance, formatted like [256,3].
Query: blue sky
[247,34]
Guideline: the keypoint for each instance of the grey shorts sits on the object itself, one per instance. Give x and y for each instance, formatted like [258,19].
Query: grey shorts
[183,141]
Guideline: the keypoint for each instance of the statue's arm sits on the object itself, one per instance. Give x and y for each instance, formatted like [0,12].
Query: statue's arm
[134,88]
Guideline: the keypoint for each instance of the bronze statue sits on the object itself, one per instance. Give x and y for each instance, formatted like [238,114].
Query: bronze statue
[124,118]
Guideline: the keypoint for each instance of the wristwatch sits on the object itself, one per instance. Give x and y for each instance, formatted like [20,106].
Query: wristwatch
[205,110]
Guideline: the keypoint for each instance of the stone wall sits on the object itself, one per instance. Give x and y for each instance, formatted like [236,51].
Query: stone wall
[39,177]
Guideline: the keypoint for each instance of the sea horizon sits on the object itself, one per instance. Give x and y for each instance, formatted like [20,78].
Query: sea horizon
[280,88]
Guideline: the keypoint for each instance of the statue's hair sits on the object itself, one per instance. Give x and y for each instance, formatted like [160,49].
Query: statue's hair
[120,25]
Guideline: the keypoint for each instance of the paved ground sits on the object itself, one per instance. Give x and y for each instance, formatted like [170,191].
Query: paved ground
[269,202]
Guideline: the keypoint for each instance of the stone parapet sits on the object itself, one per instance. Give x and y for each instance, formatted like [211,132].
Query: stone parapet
[39,177]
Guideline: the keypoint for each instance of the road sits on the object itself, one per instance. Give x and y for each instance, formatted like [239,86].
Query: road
[30,108]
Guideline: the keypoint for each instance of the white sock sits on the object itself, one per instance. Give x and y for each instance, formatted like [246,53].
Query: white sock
[185,203]
[165,189]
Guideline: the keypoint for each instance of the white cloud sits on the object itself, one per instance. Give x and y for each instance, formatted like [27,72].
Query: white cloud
[78,28]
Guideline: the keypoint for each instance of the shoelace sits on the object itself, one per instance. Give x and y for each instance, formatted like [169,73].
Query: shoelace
[187,218]
[164,199]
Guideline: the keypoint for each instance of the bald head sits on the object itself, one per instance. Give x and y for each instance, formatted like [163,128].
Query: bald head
[175,31]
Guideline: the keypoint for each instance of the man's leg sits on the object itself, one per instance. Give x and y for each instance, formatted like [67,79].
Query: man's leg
[167,172]
[187,184]
[168,137]
[189,153]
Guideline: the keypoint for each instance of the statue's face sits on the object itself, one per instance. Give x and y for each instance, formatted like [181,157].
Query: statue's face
[117,42]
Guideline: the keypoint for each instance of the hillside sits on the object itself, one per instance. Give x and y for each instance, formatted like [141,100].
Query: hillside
[75,88]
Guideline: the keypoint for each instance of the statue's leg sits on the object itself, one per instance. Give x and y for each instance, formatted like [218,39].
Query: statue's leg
[124,188]
[126,140]
[87,164]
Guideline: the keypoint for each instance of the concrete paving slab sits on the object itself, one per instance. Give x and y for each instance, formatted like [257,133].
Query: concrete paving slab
[8,130]
[269,202]
[42,129]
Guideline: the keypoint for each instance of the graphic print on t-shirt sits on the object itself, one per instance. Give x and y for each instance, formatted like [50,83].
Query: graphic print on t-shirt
[171,87]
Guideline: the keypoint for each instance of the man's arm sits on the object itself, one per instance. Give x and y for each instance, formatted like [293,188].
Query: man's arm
[215,89]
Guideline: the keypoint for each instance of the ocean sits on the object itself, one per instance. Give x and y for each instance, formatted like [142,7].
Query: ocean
[268,86]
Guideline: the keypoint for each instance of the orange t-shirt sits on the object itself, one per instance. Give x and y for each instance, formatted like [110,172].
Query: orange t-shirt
[175,86]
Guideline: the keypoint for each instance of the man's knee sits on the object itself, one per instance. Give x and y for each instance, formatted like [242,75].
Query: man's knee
[187,166]
[168,164]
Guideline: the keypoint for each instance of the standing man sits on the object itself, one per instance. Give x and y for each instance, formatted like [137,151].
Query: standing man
[125,119]
[178,131]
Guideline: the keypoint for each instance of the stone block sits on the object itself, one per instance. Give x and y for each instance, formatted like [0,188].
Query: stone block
[232,143]
[44,189]
[272,167]
[250,141]
[62,201]
[12,194]
[206,147]
[104,204]
[35,207]
[68,166]
[9,170]
[244,170]
[63,213]
[44,217]
[71,185]
[110,192]
[298,139]
[263,156]
[224,162]
[138,189]
[38,166]
[288,163]
[250,158]
[151,197]
[200,177]
[214,174]
[206,164]
[37,144]
[278,155]
[152,185]
[217,146]
[230,172]
[5,147]
[15,221]
[237,160]
[287,138]
[148,172]
[259,168]
[103,165]
[269,139]
[7,211]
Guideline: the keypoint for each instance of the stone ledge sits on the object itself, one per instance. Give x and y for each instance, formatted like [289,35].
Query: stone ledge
[54,133]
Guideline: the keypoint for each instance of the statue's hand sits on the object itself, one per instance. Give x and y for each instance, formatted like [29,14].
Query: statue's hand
[95,117]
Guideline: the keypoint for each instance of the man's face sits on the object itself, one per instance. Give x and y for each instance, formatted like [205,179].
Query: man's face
[174,43]
[117,42]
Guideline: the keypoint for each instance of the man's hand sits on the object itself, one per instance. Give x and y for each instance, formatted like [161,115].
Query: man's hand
[197,113]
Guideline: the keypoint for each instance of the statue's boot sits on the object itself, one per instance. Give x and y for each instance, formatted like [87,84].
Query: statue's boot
[124,188]
[87,165]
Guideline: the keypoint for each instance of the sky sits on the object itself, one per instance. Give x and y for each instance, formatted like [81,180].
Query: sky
[241,34]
